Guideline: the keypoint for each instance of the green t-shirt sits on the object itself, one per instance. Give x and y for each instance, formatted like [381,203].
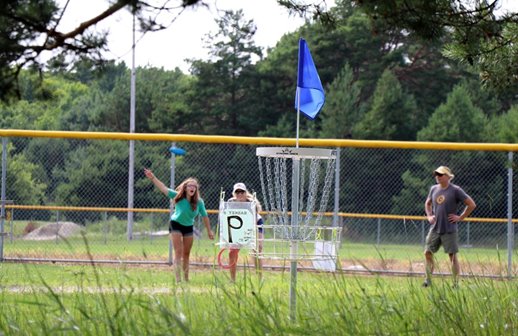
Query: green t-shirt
[183,213]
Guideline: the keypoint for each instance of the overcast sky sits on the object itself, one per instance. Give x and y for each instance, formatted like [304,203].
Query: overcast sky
[183,38]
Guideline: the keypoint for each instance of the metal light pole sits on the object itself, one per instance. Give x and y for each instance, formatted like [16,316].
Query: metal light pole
[510,224]
[131,168]
[2,196]
[174,152]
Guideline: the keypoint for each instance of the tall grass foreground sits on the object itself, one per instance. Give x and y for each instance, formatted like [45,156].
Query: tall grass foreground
[45,299]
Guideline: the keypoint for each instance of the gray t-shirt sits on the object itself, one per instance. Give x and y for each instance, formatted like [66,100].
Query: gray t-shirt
[444,202]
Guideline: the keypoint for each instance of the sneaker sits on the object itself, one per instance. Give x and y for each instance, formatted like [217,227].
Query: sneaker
[427,283]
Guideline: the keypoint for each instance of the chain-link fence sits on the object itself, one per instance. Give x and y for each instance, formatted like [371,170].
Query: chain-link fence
[65,197]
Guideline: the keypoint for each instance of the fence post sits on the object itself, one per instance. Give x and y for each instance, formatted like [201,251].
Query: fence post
[337,187]
[423,233]
[151,228]
[105,227]
[378,233]
[56,238]
[2,196]
[9,217]
[510,225]
[468,227]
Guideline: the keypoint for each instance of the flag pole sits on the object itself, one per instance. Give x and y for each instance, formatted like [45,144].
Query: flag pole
[298,117]
[294,246]
[309,85]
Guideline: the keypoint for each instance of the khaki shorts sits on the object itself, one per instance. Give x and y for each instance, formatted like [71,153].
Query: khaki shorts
[450,242]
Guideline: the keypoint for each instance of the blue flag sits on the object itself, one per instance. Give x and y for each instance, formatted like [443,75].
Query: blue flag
[309,87]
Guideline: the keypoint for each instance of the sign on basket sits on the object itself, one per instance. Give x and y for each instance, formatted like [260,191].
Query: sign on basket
[237,225]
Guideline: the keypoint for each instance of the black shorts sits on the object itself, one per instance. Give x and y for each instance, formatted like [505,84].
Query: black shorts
[186,231]
[260,224]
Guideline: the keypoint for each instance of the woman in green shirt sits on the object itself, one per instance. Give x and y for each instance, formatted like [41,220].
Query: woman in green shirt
[187,205]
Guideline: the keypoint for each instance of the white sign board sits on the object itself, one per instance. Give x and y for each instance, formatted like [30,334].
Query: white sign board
[327,250]
[237,225]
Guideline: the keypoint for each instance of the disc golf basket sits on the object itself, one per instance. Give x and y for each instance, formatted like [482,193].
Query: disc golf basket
[296,229]
[298,216]
[237,227]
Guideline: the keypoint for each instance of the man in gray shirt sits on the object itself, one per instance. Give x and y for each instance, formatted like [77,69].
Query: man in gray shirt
[441,211]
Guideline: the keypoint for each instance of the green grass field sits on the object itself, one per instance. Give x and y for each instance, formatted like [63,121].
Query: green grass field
[46,299]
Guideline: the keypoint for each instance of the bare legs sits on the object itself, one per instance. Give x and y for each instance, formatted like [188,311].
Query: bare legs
[233,258]
[233,255]
[258,261]
[429,264]
[455,268]
[182,246]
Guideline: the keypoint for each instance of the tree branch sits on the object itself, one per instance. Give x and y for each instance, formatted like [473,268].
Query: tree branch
[58,39]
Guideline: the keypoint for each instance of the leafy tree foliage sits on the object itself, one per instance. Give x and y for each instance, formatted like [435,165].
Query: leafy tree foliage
[490,46]
[90,173]
[457,120]
[50,156]
[480,36]
[222,83]
[275,93]
[415,187]
[24,180]
[161,102]
[155,156]
[392,115]
[284,127]
[170,107]
[503,128]
[342,109]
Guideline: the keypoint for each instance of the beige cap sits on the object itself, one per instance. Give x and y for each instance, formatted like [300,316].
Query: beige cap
[444,171]
[239,186]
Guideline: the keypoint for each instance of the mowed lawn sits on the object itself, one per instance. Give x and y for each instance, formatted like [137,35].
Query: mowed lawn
[352,256]
[107,241]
